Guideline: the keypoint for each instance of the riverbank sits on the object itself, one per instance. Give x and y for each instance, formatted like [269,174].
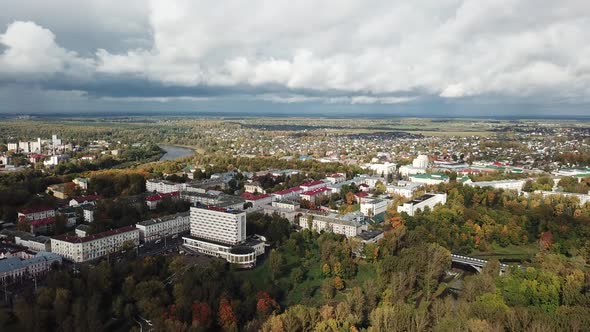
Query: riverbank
[174,152]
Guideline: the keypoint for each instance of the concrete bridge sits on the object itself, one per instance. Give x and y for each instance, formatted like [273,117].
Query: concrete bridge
[475,263]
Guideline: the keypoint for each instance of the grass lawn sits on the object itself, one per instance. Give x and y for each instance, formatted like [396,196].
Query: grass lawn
[511,252]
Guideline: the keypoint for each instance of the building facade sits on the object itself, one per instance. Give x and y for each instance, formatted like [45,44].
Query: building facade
[257,201]
[39,218]
[82,249]
[516,185]
[419,204]
[155,229]
[349,225]
[221,233]
[163,186]
[14,268]
[254,187]
[373,207]
[287,194]
[404,188]
[218,224]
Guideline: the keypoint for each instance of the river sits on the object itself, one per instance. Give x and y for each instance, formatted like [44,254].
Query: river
[174,152]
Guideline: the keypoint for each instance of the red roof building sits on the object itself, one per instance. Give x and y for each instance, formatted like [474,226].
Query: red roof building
[252,197]
[311,185]
[312,195]
[76,239]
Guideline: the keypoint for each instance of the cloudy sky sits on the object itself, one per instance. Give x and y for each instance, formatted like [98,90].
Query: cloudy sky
[441,57]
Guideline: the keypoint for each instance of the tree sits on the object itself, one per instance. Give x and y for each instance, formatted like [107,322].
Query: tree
[350,198]
[23,225]
[201,315]
[528,186]
[327,289]
[297,275]
[380,188]
[59,227]
[338,283]
[265,305]
[25,314]
[275,262]
[326,270]
[61,304]
[226,317]
[490,306]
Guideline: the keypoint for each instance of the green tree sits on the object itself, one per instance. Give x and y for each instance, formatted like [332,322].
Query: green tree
[275,262]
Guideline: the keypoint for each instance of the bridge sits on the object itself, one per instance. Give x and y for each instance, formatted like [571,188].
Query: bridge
[475,263]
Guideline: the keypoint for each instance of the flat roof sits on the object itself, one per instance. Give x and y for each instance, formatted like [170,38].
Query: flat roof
[217,209]
[430,176]
[422,198]
[154,221]
[370,234]
[76,239]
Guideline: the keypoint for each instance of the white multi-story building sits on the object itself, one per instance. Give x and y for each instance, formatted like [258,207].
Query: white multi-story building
[36,213]
[154,229]
[152,201]
[418,204]
[39,218]
[421,162]
[286,205]
[163,186]
[350,224]
[55,160]
[12,146]
[374,207]
[315,194]
[218,224]
[82,249]
[24,147]
[583,198]
[408,170]
[82,183]
[516,185]
[287,194]
[370,181]
[34,243]
[254,187]
[257,201]
[433,178]
[88,212]
[55,141]
[222,233]
[381,169]
[212,198]
[285,209]
[35,146]
[336,178]
[404,188]
[418,166]
[313,185]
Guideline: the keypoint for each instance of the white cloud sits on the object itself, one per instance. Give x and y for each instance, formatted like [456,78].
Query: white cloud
[31,51]
[532,49]
[290,99]
[161,100]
